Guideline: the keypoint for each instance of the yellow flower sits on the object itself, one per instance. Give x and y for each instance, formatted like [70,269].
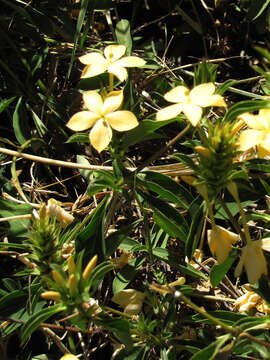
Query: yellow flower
[129,299]
[252,258]
[102,117]
[190,102]
[112,61]
[53,208]
[247,301]
[220,242]
[258,134]
[69,357]
[198,255]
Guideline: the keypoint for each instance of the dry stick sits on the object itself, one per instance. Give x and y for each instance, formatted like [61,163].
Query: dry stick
[56,340]
[161,151]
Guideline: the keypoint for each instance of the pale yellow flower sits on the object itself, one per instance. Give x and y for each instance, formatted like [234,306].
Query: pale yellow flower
[130,300]
[252,258]
[69,357]
[102,117]
[112,61]
[53,208]
[198,255]
[258,134]
[190,102]
[247,301]
[220,242]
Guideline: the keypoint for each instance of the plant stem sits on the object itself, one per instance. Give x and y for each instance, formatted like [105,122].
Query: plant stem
[111,81]
[232,187]
[162,150]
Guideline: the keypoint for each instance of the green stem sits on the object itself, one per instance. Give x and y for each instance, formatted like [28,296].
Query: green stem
[232,187]
[229,329]
[162,150]
[111,81]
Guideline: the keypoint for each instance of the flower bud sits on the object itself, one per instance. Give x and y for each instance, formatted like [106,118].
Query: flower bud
[71,265]
[72,284]
[57,277]
[203,151]
[89,267]
[51,295]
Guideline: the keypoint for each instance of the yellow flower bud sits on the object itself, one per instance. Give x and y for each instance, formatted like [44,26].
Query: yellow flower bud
[188,179]
[71,265]
[72,284]
[57,277]
[201,150]
[89,267]
[179,281]
[51,295]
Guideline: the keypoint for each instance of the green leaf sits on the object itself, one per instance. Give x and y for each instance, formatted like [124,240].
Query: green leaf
[245,106]
[144,131]
[20,125]
[91,238]
[5,103]
[82,160]
[101,180]
[256,8]
[169,258]
[196,212]
[78,138]
[114,240]
[185,160]
[167,188]
[218,271]
[167,217]
[258,165]
[120,328]
[123,35]
[210,352]
[36,319]
[17,228]
[125,275]
[228,317]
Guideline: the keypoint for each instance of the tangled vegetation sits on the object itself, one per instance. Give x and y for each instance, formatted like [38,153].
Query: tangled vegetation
[134,150]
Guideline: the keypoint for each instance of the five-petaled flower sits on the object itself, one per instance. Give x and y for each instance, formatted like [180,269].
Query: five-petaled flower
[190,102]
[220,242]
[258,134]
[112,61]
[102,117]
[252,258]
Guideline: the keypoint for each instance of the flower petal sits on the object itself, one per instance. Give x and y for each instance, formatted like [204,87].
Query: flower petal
[193,113]
[94,70]
[69,357]
[264,116]
[122,120]
[92,59]
[252,121]
[114,52]
[93,101]
[250,138]
[169,112]
[101,135]
[113,101]
[266,244]
[131,61]
[220,242]
[179,94]
[264,146]
[82,120]
[202,90]
[119,71]
[203,95]
[255,263]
